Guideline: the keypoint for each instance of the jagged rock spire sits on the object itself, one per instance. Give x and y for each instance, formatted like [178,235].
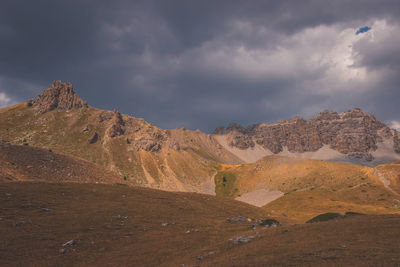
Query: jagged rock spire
[60,95]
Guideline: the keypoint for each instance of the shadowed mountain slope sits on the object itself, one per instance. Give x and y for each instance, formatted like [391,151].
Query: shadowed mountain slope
[24,163]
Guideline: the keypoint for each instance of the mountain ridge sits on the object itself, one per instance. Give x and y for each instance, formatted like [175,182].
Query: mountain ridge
[352,133]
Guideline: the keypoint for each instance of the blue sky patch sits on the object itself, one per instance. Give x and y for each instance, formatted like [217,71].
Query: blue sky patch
[363,29]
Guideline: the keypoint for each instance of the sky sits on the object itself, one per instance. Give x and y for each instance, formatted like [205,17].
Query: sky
[203,64]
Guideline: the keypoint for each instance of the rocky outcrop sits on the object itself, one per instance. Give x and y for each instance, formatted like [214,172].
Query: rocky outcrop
[353,133]
[117,124]
[94,138]
[151,140]
[59,95]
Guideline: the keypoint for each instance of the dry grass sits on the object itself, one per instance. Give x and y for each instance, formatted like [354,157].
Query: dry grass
[88,214]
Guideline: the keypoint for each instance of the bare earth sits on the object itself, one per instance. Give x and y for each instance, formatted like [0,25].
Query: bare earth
[260,197]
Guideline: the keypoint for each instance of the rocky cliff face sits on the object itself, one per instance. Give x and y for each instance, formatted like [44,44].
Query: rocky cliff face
[353,133]
[59,95]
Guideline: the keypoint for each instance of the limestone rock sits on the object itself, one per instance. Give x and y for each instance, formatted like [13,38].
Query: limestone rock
[59,95]
[353,132]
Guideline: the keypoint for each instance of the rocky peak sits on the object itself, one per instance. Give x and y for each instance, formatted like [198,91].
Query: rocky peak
[354,113]
[328,115]
[235,127]
[60,95]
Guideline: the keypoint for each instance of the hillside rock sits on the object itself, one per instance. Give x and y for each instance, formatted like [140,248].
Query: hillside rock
[152,140]
[117,124]
[59,95]
[353,133]
[94,138]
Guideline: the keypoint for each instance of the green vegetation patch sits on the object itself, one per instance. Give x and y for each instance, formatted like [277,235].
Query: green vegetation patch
[324,217]
[332,215]
[351,213]
[225,185]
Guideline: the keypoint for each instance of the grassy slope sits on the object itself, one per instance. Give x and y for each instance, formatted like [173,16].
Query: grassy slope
[392,172]
[87,213]
[356,241]
[61,131]
[311,187]
[25,163]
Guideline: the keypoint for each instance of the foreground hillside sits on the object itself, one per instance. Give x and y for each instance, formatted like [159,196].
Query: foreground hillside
[115,225]
[112,224]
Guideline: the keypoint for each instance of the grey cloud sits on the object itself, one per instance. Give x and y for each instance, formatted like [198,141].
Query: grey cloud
[153,59]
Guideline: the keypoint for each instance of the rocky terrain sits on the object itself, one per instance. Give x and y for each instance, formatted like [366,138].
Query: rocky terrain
[353,133]
[58,96]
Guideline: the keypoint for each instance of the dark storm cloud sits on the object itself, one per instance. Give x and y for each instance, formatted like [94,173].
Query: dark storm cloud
[201,63]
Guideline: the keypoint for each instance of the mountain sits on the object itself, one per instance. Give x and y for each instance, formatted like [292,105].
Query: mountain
[58,119]
[351,136]
[182,159]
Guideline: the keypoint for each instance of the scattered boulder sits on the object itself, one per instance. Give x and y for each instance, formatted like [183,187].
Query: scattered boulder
[191,231]
[86,129]
[242,239]
[269,222]
[237,219]
[120,217]
[164,224]
[19,223]
[63,251]
[46,209]
[69,243]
